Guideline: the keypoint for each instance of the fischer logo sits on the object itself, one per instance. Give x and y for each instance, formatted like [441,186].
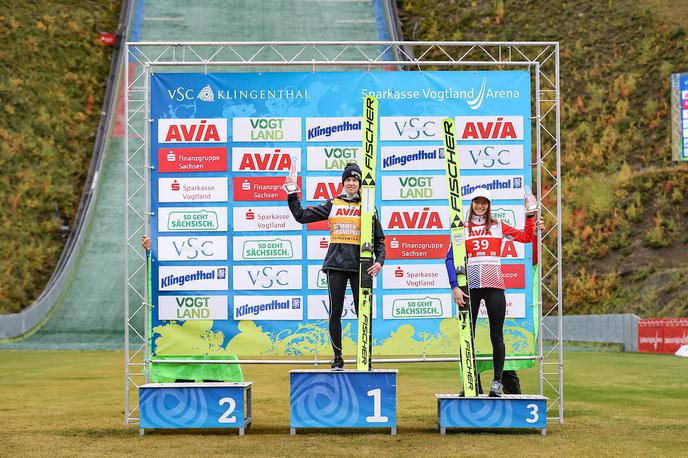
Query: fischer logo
[261,248]
[192,130]
[268,308]
[192,160]
[319,188]
[192,248]
[503,187]
[489,127]
[415,218]
[266,129]
[413,187]
[410,128]
[405,307]
[338,129]
[415,276]
[174,278]
[268,277]
[192,190]
[481,157]
[412,158]
[192,308]
[264,159]
[332,157]
[264,219]
[192,219]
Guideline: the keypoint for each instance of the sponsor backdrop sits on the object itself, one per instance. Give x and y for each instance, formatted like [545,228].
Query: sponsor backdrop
[236,274]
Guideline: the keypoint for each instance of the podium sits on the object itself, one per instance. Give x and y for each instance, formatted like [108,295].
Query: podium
[195,405]
[509,411]
[343,399]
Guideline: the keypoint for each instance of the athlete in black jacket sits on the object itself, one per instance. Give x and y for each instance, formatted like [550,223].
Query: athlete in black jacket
[342,260]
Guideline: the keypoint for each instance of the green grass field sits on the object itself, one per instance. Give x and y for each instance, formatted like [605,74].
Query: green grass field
[616,404]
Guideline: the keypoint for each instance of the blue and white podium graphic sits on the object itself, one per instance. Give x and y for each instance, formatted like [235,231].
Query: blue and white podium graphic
[509,411]
[343,399]
[195,405]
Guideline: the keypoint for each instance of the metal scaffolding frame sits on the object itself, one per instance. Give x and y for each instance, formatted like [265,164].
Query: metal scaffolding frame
[541,58]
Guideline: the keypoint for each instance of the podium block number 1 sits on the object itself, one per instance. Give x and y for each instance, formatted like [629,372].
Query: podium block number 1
[377,417]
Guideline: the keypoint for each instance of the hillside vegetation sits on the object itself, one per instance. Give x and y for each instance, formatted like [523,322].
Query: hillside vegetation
[52,81]
[625,205]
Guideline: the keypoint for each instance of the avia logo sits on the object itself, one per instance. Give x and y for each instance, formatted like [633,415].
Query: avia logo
[191,248]
[192,130]
[489,156]
[265,161]
[348,211]
[175,185]
[414,128]
[267,277]
[424,219]
[499,129]
[478,100]
[206,94]
[327,190]
[250,215]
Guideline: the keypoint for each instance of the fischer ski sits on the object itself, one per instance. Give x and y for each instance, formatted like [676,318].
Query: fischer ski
[365,301]
[468,371]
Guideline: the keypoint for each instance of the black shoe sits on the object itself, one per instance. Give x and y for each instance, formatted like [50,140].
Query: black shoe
[338,363]
[496,390]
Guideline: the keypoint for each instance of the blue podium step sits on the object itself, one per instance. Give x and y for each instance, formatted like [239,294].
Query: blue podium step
[508,411]
[343,399]
[195,405]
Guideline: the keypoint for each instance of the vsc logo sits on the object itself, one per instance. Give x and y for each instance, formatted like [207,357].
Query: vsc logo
[182,94]
[192,248]
[410,128]
[267,277]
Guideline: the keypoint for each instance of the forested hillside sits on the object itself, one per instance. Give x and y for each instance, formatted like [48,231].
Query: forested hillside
[52,82]
[625,205]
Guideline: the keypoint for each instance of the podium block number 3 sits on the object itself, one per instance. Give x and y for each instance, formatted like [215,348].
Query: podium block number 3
[533,412]
[377,417]
[225,416]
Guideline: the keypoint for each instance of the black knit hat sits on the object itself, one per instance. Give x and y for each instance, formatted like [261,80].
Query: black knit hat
[351,170]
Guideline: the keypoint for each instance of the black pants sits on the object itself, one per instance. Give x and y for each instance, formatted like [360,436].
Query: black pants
[336,287]
[495,302]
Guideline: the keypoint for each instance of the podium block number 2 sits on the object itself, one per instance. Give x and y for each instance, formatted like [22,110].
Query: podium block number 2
[225,418]
[377,417]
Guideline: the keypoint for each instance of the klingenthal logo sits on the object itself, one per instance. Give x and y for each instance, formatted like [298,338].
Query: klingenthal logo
[477,102]
[206,94]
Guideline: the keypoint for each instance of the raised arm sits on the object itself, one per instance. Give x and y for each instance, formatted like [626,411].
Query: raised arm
[311,214]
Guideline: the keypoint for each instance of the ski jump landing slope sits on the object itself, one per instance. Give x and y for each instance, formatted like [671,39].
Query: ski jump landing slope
[87,311]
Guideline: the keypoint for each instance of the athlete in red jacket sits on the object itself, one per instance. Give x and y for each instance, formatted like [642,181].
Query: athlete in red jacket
[484,236]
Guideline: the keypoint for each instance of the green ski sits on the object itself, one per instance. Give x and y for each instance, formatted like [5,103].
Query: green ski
[365,301]
[456,227]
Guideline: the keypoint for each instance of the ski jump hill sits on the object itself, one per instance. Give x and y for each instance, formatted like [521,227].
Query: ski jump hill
[82,305]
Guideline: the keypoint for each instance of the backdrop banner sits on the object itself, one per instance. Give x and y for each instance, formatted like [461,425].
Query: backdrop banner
[234,274]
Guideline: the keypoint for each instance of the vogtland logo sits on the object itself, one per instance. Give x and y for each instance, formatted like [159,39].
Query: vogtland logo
[426,307]
[192,307]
